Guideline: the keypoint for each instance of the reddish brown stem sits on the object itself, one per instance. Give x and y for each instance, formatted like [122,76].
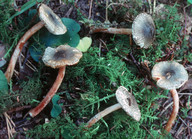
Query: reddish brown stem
[124,31]
[174,111]
[35,111]
[18,49]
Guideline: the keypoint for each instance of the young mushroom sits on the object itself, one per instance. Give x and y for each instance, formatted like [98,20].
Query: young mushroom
[58,57]
[126,101]
[48,19]
[170,75]
[143,30]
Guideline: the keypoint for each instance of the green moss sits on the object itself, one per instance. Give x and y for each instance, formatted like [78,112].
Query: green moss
[27,91]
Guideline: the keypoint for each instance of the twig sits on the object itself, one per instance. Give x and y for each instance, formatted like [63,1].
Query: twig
[154,6]
[104,44]
[148,131]
[184,122]
[189,131]
[69,12]
[190,94]
[10,125]
[30,65]
[170,104]
[106,11]
[90,9]
[19,108]
[150,8]
[180,129]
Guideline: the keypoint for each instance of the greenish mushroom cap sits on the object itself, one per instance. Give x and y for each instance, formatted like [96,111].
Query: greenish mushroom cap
[52,22]
[169,75]
[128,103]
[143,30]
[61,56]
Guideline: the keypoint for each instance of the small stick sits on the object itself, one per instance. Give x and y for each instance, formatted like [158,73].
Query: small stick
[10,125]
[174,111]
[124,31]
[18,49]
[18,109]
[154,6]
[150,7]
[90,9]
[55,26]
[35,111]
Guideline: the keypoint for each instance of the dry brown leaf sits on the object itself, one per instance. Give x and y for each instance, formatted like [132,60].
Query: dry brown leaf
[186,86]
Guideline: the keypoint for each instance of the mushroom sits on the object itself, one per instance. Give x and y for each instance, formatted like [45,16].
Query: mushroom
[58,57]
[126,101]
[143,30]
[170,75]
[48,19]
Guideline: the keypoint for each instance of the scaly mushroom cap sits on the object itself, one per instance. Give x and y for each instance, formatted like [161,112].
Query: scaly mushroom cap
[169,75]
[61,56]
[128,103]
[52,22]
[143,30]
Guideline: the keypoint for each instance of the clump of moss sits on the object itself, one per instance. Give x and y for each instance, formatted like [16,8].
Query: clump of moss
[97,78]
[26,93]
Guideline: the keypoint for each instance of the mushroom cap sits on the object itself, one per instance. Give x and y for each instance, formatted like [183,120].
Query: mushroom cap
[169,75]
[61,56]
[128,103]
[52,22]
[143,30]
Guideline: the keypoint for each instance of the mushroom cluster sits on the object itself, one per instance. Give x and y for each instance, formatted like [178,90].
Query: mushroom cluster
[48,19]
[59,57]
[169,75]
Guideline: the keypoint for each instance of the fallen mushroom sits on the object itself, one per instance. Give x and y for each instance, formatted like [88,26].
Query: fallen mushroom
[126,101]
[170,75]
[58,57]
[143,30]
[48,19]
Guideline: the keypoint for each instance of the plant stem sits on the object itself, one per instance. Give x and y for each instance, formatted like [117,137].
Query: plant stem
[174,111]
[103,113]
[35,111]
[18,49]
[124,31]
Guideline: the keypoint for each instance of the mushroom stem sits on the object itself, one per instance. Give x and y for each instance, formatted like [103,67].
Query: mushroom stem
[174,111]
[103,113]
[18,49]
[124,31]
[35,111]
